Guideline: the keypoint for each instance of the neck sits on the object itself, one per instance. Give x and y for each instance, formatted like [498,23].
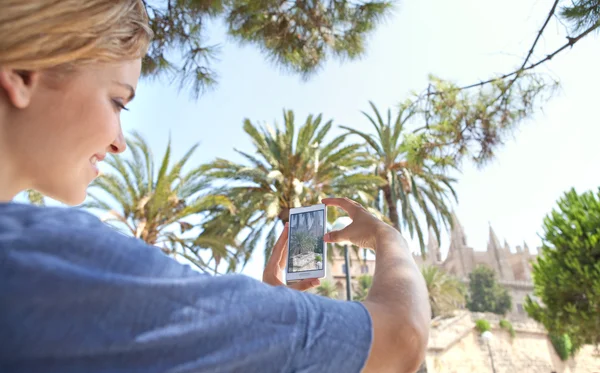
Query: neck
[11,180]
[10,183]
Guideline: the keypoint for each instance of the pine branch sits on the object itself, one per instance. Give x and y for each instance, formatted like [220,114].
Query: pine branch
[539,35]
[502,95]
[530,53]
[571,41]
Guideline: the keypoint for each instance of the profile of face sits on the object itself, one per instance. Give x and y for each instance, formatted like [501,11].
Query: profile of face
[56,126]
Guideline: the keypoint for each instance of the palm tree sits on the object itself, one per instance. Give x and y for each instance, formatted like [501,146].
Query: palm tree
[327,289]
[407,176]
[446,293]
[288,169]
[162,208]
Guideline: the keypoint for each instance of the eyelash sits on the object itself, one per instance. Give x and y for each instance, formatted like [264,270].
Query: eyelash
[120,106]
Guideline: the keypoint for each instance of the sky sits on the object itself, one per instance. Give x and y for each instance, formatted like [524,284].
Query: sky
[463,41]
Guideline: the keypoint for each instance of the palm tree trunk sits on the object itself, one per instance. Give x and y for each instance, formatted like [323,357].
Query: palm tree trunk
[392,207]
[284,215]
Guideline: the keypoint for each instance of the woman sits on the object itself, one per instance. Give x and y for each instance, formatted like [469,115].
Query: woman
[77,297]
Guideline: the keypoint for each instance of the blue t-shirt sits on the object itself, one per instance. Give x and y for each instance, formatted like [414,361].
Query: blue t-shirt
[77,296]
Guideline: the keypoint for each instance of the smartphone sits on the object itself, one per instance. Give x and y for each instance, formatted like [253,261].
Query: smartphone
[307,252]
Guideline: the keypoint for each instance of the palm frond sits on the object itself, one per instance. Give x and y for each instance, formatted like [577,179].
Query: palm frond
[368,138]
[140,143]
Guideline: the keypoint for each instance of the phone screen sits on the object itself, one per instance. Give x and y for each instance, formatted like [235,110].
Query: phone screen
[306,241]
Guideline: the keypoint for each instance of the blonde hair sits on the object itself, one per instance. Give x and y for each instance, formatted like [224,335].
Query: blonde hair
[45,34]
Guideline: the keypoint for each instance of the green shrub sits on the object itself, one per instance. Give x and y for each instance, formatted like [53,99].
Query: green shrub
[482,326]
[562,345]
[318,258]
[506,325]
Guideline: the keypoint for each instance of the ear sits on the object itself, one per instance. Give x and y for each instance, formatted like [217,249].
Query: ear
[19,85]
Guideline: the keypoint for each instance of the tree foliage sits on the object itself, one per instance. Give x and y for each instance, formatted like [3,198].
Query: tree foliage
[459,124]
[562,345]
[299,34]
[485,294]
[582,14]
[159,206]
[446,293]
[566,274]
[296,35]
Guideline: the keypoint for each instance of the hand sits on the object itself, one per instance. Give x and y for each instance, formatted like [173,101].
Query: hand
[364,229]
[273,274]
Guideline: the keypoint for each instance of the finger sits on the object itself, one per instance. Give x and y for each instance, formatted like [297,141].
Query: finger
[344,203]
[305,284]
[284,250]
[280,246]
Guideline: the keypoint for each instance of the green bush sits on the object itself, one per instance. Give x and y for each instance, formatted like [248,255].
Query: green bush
[562,345]
[318,258]
[482,326]
[506,325]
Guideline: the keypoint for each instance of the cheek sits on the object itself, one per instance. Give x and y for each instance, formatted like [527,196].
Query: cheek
[93,127]
[70,125]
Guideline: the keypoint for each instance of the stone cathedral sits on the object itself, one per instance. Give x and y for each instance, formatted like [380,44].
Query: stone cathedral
[513,269]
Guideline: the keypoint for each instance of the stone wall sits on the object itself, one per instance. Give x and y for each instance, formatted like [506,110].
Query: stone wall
[455,346]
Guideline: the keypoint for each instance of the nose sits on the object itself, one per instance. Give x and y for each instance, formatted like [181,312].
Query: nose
[119,145]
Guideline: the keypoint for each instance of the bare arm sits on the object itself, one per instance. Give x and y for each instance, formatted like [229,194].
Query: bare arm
[398,300]
[399,307]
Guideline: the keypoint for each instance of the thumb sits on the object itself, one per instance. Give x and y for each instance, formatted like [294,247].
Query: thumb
[305,284]
[336,236]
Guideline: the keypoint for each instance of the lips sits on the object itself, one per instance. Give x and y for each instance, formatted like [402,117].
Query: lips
[94,161]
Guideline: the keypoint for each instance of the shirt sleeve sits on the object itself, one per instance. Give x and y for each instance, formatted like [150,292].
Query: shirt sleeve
[84,298]
[335,336]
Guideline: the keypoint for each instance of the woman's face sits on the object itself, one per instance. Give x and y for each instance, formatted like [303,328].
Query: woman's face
[60,127]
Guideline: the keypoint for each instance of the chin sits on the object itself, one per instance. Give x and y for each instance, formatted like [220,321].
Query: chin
[76,197]
[70,197]
[74,201]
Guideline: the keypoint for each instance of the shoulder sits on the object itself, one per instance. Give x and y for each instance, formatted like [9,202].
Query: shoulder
[18,217]
[47,236]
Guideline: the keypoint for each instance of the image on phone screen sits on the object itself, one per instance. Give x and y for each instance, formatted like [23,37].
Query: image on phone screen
[306,241]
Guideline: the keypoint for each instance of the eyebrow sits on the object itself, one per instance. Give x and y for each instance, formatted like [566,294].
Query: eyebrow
[130,88]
